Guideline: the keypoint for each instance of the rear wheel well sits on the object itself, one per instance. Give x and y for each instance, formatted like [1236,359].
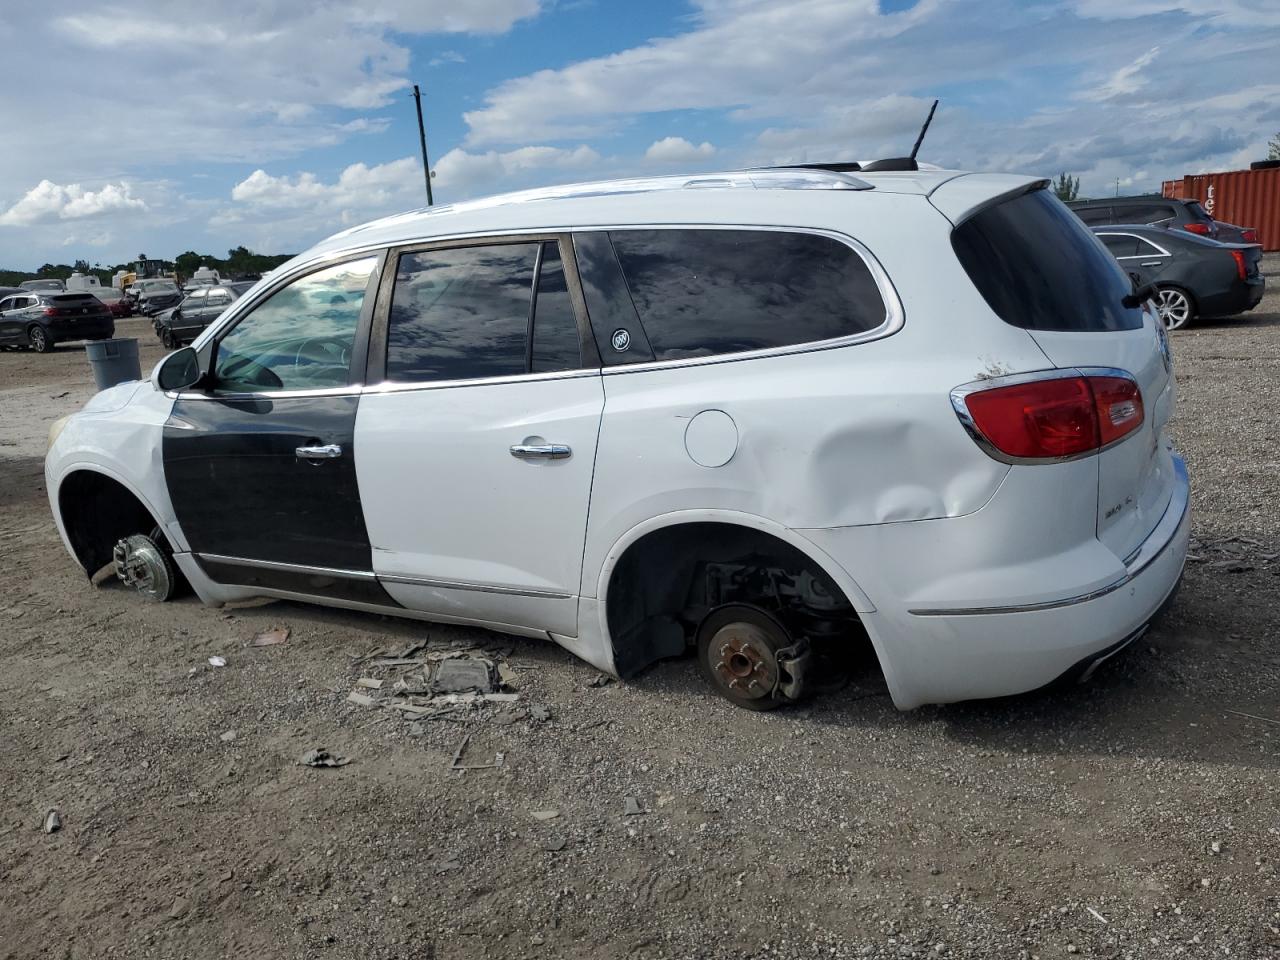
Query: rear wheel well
[670,579]
[98,511]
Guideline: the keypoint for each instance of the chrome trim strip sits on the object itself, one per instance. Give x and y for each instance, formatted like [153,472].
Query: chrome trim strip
[472,586]
[390,386]
[1132,236]
[961,393]
[288,567]
[1151,549]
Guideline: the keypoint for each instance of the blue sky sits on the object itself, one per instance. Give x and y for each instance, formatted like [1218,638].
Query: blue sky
[161,127]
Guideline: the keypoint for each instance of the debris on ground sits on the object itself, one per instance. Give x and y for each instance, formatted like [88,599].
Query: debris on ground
[545,814]
[540,713]
[554,844]
[217,661]
[360,699]
[600,680]
[320,757]
[631,807]
[179,909]
[228,736]
[459,765]
[461,675]
[369,683]
[52,821]
[270,638]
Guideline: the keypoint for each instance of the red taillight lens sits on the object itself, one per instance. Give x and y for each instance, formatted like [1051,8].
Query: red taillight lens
[50,311]
[1061,417]
[1200,228]
[1242,268]
[1249,236]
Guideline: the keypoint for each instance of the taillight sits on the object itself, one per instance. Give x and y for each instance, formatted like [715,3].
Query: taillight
[1249,236]
[50,311]
[1053,418]
[1200,228]
[1242,268]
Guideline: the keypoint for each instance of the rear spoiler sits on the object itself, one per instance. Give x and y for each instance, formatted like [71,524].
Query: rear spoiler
[961,197]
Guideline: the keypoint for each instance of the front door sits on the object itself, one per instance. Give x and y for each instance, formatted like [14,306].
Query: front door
[260,461]
[476,451]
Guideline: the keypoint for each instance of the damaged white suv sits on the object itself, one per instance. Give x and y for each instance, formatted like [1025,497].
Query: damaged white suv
[766,414]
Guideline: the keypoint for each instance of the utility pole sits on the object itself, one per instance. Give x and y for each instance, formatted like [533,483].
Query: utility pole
[422,137]
[1117,178]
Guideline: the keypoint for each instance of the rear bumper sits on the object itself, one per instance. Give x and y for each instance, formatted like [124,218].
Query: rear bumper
[1241,298]
[90,329]
[941,654]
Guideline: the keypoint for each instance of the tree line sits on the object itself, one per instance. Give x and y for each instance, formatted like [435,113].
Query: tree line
[240,262]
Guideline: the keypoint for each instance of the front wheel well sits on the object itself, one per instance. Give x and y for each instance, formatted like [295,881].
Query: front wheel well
[666,582]
[97,512]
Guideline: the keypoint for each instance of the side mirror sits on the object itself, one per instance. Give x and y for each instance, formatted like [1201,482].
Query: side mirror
[180,370]
[1139,296]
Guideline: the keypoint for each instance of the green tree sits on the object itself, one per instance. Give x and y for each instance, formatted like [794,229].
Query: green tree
[1067,187]
[1273,148]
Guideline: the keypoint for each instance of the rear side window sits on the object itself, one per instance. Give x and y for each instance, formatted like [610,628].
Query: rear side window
[1039,268]
[1094,216]
[705,292]
[1120,244]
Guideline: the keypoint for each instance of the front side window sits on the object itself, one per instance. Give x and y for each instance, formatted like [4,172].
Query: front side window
[194,301]
[299,338]
[706,292]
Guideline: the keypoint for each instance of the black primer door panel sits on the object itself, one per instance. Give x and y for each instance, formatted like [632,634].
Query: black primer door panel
[239,488]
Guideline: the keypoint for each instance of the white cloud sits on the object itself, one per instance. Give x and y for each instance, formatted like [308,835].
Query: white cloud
[461,170]
[358,187]
[1126,81]
[678,150]
[48,201]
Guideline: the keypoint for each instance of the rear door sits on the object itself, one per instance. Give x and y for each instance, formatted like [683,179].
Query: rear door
[1141,259]
[1039,269]
[477,446]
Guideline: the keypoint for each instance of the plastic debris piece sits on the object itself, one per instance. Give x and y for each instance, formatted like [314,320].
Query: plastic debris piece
[270,638]
[369,683]
[217,661]
[545,814]
[462,674]
[360,699]
[507,674]
[502,697]
[631,807]
[52,821]
[554,844]
[228,736]
[320,757]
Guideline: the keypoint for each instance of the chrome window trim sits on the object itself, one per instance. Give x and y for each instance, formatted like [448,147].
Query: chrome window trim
[366,575]
[961,393]
[1150,550]
[472,586]
[1140,239]
[895,314]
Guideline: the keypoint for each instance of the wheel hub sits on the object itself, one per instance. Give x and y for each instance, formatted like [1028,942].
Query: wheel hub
[744,661]
[140,564]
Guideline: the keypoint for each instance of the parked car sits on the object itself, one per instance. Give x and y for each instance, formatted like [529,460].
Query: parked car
[152,296]
[47,283]
[1186,215]
[765,416]
[1193,276]
[183,323]
[119,305]
[39,319]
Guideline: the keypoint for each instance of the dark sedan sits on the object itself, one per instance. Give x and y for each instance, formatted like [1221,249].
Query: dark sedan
[40,319]
[1168,212]
[202,305]
[1193,276]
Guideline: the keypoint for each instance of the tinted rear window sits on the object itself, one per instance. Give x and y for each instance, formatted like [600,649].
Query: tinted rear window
[1039,268]
[704,292]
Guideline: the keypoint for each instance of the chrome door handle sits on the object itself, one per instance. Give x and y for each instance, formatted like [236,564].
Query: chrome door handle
[328,451]
[1152,263]
[540,451]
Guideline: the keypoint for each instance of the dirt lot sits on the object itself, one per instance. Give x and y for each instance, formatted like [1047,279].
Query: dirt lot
[1137,816]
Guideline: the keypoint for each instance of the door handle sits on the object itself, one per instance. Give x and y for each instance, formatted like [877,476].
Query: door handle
[540,451]
[328,451]
[1151,263]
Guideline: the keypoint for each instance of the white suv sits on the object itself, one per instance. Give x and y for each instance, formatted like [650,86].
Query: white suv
[766,414]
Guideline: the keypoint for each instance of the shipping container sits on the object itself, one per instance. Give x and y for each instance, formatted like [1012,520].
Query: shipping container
[1247,198]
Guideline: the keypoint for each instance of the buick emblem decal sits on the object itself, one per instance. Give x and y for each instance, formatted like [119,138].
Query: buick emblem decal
[621,340]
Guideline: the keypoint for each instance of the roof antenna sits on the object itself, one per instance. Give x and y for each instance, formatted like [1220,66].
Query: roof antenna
[904,163]
[923,130]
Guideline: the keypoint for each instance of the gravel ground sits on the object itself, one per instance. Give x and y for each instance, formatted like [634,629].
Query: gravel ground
[1135,817]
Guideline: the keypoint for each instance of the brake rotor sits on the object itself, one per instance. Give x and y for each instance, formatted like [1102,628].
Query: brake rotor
[141,563]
